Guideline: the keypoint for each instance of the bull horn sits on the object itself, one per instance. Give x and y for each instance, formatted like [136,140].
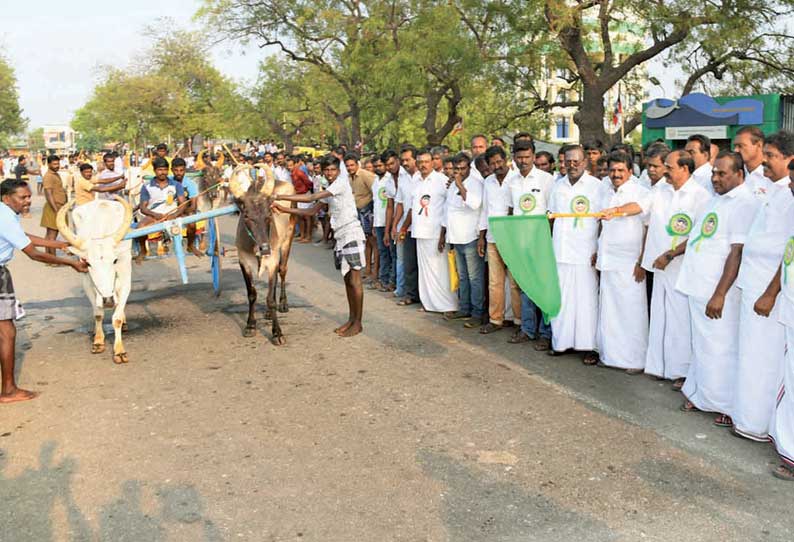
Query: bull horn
[270,182]
[125,224]
[200,160]
[234,185]
[63,227]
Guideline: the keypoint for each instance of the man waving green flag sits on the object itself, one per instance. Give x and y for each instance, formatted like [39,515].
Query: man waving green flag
[524,243]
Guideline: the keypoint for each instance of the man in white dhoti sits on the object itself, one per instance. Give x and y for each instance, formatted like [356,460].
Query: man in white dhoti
[760,363]
[427,210]
[675,203]
[575,243]
[781,427]
[699,147]
[711,265]
[623,301]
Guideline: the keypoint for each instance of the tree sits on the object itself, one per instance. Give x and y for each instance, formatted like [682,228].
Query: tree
[287,103]
[35,140]
[585,37]
[174,91]
[11,119]
[351,43]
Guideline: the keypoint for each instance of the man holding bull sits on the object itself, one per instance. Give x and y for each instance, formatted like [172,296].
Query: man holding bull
[16,196]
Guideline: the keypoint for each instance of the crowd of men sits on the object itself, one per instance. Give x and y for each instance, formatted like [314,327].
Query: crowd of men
[678,269]
[675,264]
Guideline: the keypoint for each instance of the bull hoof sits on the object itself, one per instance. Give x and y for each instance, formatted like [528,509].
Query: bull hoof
[283,307]
[121,358]
[97,348]
[281,340]
[249,332]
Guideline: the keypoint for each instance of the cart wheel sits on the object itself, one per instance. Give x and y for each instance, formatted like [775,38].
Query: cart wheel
[215,255]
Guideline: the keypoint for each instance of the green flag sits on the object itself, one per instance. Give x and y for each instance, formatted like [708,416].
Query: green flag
[524,242]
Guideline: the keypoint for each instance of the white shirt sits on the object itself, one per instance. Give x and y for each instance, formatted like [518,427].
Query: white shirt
[495,202]
[342,208]
[766,241]
[784,182]
[757,182]
[786,300]
[530,195]
[725,221]
[463,217]
[575,240]
[429,205]
[671,216]
[282,174]
[702,176]
[382,190]
[620,243]
[405,194]
[644,180]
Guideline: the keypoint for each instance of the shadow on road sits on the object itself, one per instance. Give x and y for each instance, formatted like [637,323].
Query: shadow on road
[30,500]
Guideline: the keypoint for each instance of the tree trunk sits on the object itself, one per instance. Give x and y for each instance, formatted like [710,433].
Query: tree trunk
[355,126]
[590,117]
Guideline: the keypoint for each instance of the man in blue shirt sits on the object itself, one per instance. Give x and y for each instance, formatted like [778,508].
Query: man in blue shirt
[179,168]
[15,195]
[162,198]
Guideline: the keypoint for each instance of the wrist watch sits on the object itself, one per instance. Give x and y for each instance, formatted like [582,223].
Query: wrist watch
[669,256]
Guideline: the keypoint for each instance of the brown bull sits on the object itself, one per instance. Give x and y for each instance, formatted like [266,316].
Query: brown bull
[263,241]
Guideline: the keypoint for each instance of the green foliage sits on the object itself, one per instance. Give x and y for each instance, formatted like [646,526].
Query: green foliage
[35,140]
[177,92]
[11,119]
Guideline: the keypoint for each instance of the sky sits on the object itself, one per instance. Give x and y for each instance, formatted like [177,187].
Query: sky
[57,58]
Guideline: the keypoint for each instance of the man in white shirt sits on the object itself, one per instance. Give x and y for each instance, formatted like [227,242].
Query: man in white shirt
[575,243]
[402,232]
[711,264]
[623,301]
[675,204]
[111,177]
[349,236]
[778,156]
[749,142]
[280,171]
[15,196]
[398,177]
[383,190]
[461,230]
[760,362]
[427,217]
[496,202]
[530,188]
[699,147]
[781,430]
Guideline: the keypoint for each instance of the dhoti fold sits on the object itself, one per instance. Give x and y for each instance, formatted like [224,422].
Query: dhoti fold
[781,428]
[759,370]
[575,326]
[670,336]
[434,292]
[715,342]
[622,320]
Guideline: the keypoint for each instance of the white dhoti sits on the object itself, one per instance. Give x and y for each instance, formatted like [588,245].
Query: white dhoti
[709,383]
[759,369]
[781,429]
[622,320]
[576,325]
[434,292]
[670,336]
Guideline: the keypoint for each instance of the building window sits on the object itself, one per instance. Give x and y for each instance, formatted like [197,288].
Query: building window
[562,96]
[563,128]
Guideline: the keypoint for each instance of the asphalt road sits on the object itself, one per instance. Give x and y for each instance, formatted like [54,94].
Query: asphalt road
[416,430]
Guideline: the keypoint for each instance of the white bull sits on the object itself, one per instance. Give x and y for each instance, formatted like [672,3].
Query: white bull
[100,226]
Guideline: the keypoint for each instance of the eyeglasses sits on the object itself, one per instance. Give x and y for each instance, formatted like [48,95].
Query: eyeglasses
[573,163]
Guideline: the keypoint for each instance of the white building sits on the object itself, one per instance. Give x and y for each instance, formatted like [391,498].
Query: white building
[59,139]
